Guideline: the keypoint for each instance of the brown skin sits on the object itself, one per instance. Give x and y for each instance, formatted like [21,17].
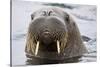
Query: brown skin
[49,25]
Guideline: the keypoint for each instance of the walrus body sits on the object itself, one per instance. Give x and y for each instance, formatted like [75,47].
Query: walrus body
[53,35]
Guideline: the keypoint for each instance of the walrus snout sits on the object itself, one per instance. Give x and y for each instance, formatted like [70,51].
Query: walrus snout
[47,33]
[46,37]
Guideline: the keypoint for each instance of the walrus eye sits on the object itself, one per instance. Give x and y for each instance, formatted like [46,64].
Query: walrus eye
[74,24]
[44,13]
[31,17]
[67,18]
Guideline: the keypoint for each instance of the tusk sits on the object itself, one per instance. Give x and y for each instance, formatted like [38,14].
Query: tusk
[58,46]
[37,48]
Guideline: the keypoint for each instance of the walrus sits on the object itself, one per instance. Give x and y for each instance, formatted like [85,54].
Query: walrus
[53,35]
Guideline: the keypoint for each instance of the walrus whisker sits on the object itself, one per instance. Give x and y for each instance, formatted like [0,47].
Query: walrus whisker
[37,48]
[58,46]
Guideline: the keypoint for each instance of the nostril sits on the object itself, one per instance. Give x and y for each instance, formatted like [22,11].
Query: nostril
[49,13]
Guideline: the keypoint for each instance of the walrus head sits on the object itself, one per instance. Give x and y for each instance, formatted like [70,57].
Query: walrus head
[51,32]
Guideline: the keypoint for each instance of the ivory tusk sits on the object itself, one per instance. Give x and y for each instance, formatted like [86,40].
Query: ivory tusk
[37,48]
[58,46]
